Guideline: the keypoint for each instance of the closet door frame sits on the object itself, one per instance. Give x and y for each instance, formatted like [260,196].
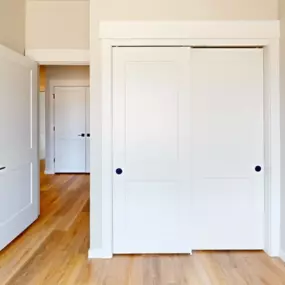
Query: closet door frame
[229,34]
[50,118]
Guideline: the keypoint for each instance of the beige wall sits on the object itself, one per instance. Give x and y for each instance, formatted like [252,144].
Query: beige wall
[57,25]
[186,9]
[282,111]
[67,73]
[65,24]
[42,82]
[12,24]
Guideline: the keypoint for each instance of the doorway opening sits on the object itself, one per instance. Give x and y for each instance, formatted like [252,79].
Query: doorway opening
[64,119]
[64,141]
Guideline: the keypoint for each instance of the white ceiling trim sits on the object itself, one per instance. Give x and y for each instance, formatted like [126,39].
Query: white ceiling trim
[59,56]
[190,30]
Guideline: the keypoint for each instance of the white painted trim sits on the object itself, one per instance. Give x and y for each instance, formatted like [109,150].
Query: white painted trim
[99,253]
[272,151]
[50,137]
[190,30]
[282,255]
[231,34]
[107,149]
[59,56]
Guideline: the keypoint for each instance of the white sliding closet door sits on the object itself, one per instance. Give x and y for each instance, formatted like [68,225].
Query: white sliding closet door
[188,149]
[227,181]
[151,114]
[70,129]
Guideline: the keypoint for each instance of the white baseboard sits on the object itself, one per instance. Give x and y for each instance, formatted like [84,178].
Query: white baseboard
[99,253]
[49,172]
[282,255]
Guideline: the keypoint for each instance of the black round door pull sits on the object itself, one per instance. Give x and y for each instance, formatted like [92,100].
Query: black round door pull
[81,135]
[257,168]
[119,171]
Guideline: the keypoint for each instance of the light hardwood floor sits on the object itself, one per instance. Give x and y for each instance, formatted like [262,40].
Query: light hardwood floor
[54,251]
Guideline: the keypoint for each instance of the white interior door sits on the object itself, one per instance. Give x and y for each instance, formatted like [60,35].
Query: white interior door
[151,113]
[19,158]
[226,145]
[70,129]
[88,135]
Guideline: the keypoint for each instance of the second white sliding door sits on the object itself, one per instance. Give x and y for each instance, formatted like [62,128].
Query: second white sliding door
[227,149]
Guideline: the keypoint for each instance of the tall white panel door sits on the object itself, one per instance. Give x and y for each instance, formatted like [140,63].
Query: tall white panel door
[88,135]
[19,153]
[70,129]
[151,114]
[227,181]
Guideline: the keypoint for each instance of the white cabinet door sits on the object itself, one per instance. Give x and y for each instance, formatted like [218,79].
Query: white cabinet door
[226,145]
[19,157]
[88,135]
[151,113]
[70,132]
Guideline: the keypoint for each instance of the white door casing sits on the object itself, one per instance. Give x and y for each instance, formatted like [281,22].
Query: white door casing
[19,155]
[227,143]
[151,145]
[70,129]
[88,134]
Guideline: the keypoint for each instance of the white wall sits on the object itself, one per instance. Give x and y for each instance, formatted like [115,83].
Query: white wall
[12,24]
[58,73]
[282,111]
[57,25]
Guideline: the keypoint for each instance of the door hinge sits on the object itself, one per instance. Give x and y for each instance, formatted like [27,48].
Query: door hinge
[54,128]
[54,160]
[53,96]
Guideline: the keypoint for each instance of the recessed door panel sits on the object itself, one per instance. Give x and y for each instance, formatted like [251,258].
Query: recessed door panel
[226,146]
[151,104]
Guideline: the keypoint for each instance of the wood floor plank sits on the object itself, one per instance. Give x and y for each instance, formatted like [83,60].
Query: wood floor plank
[54,251]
